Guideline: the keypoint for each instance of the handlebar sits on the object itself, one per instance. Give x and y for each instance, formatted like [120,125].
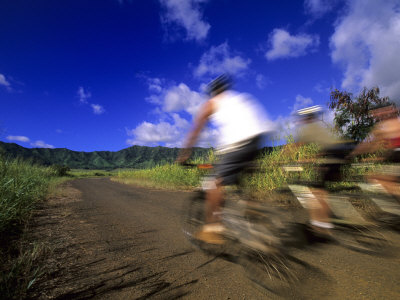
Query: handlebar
[199,166]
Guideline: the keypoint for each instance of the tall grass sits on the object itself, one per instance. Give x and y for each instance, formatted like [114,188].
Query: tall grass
[269,177]
[22,186]
[168,176]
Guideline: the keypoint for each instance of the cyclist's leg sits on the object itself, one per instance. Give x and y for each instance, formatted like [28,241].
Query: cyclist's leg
[228,169]
[389,182]
[319,209]
[214,202]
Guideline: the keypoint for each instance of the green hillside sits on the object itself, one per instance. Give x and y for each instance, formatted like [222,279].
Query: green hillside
[132,157]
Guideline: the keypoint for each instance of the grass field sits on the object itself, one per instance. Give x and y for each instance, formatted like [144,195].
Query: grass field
[269,177]
[22,186]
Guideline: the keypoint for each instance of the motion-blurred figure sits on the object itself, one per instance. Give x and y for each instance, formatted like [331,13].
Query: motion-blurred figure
[241,125]
[384,138]
[332,153]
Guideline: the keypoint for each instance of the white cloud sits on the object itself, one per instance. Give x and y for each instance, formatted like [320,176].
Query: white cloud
[322,87]
[220,60]
[154,84]
[41,144]
[156,88]
[187,14]
[366,43]
[301,102]
[151,134]
[3,81]
[172,127]
[24,139]
[318,8]
[182,98]
[18,138]
[285,45]
[83,98]
[83,95]
[97,109]
[261,81]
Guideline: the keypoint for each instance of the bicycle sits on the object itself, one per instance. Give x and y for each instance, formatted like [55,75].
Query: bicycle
[258,236]
[261,237]
[351,229]
[385,207]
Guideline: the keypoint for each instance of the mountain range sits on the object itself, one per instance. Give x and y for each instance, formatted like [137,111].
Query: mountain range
[133,157]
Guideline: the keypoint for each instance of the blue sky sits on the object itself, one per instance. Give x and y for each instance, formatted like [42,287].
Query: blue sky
[107,74]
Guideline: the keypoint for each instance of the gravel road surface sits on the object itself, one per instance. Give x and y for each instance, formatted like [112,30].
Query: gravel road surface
[125,242]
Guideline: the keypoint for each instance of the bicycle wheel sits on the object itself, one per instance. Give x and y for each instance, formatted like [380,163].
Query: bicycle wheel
[361,239]
[193,215]
[263,256]
[193,219]
[278,273]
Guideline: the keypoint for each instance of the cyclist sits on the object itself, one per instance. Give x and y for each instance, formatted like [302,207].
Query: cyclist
[241,124]
[333,151]
[385,135]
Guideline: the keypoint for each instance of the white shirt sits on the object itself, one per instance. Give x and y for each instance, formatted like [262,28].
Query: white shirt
[238,117]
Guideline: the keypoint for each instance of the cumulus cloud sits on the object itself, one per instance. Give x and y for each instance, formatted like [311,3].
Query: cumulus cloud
[83,98]
[186,14]
[41,144]
[24,139]
[284,45]
[301,102]
[182,98]
[318,8]
[18,138]
[366,43]
[150,134]
[220,59]
[261,81]
[176,107]
[97,109]
[83,95]
[323,88]
[4,82]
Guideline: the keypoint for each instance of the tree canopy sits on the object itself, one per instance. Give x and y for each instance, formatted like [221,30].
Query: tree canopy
[352,114]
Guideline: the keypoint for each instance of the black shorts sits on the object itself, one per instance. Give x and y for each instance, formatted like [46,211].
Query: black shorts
[231,164]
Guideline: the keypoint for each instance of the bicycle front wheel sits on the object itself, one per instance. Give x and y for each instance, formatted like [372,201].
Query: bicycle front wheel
[193,215]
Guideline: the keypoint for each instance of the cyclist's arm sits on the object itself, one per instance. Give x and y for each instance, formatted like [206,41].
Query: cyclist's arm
[199,123]
[201,120]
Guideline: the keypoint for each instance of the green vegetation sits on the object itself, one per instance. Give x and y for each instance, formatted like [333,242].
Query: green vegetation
[352,114]
[169,176]
[271,176]
[79,173]
[22,186]
[135,157]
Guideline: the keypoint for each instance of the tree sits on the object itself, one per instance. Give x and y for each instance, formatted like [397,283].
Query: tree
[352,117]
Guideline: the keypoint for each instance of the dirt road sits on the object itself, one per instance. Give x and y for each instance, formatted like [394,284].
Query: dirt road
[114,241]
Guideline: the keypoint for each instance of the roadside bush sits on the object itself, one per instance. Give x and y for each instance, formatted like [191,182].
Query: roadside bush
[22,185]
[60,170]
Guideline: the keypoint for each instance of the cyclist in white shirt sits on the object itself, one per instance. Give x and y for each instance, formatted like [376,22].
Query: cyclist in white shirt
[241,123]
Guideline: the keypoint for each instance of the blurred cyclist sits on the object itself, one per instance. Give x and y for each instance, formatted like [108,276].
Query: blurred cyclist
[385,137]
[332,150]
[241,124]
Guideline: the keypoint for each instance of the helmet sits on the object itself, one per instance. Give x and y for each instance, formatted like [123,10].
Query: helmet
[310,112]
[219,85]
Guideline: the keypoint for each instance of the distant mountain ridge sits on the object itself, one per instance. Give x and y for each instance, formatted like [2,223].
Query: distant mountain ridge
[132,157]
